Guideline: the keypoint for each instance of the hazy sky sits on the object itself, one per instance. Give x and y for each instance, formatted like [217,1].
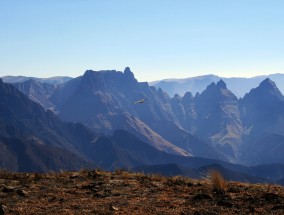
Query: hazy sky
[157,39]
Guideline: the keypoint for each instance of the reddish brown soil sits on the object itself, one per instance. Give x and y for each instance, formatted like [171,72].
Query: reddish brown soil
[98,192]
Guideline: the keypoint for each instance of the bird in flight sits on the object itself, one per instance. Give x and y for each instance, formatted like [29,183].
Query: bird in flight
[140,101]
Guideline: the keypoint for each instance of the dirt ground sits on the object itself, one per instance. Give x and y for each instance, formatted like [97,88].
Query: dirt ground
[120,192]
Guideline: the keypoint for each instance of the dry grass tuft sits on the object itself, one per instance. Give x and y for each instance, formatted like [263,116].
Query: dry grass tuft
[218,182]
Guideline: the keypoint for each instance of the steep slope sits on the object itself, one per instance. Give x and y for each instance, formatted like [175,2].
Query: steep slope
[123,149]
[113,92]
[214,117]
[63,92]
[219,119]
[48,94]
[262,109]
[32,139]
[37,91]
[218,115]
[184,140]
[185,110]
[32,155]
[263,118]
[267,149]
[104,102]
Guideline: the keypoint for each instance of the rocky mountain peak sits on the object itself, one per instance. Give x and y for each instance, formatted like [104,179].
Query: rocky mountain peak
[271,86]
[177,97]
[128,72]
[266,90]
[211,86]
[188,97]
[267,82]
[217,92]
[109,77]
[221,84]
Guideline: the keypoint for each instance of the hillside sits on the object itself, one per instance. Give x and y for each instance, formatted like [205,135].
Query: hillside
[120,192]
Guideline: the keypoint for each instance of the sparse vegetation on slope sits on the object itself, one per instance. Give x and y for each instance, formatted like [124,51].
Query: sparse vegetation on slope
[121,192]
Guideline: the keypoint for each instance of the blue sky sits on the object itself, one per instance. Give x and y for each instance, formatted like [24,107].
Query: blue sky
[157,39]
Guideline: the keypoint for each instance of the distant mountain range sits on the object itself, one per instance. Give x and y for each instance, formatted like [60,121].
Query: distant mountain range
[239,86]
[93,120]
[51,80]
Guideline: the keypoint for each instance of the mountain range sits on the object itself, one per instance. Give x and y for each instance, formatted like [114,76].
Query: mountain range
[51,80]
[199,83]
[93,120]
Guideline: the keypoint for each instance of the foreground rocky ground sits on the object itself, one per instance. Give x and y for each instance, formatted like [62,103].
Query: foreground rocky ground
[120,192]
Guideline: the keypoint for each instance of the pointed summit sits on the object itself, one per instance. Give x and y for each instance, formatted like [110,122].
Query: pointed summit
[128,72]
[188,97]
[267,90]
[269,84]
[217,92]
[262,109]
[211,86]
[221,84]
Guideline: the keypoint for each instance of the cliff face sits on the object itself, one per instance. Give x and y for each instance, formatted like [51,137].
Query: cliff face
[214,117]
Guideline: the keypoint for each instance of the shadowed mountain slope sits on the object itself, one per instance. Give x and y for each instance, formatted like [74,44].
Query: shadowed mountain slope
[37,91]
[35,140]
[31,155]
